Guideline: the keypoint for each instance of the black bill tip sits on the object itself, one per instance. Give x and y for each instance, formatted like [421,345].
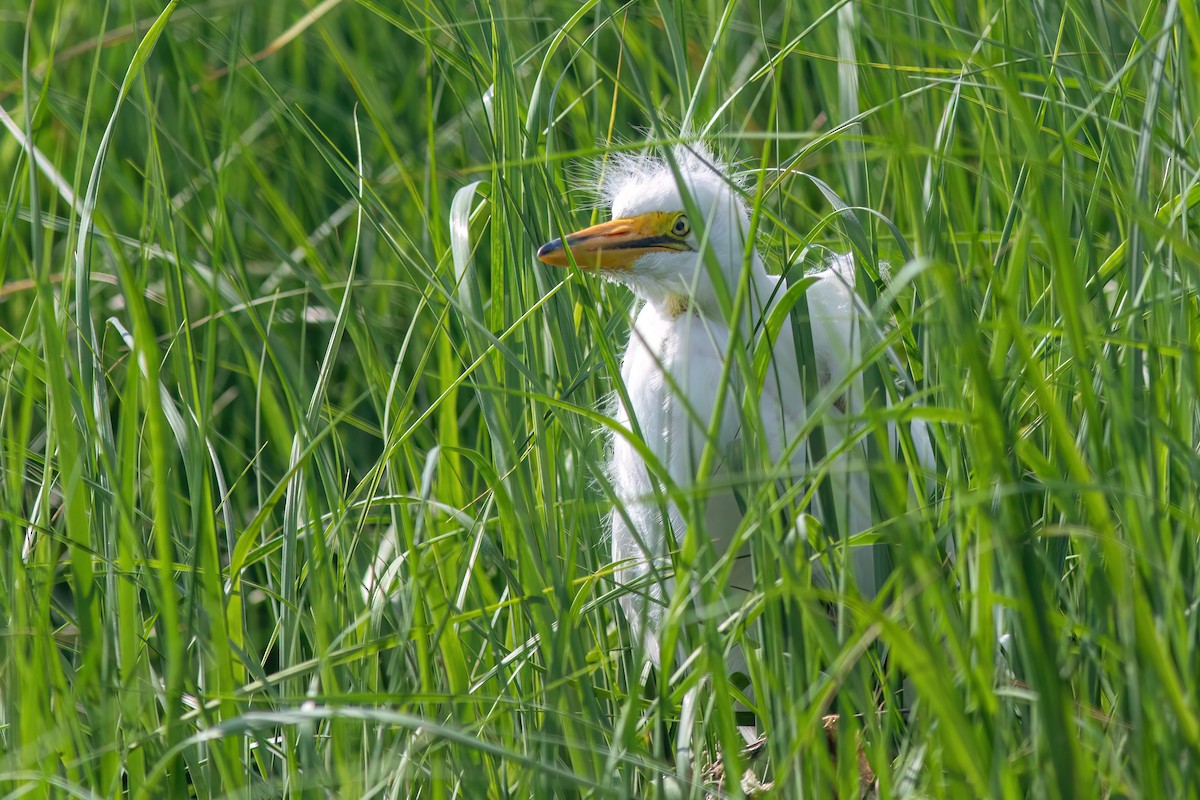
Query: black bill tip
[549,248]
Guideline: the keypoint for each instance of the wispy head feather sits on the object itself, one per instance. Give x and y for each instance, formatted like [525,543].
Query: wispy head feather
[619,173]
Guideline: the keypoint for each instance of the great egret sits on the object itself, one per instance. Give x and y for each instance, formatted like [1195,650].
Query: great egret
[674,366]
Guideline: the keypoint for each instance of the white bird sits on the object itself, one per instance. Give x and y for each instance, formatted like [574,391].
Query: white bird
[675,366]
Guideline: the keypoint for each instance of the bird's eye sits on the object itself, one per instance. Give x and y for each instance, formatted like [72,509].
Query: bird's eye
[682,227]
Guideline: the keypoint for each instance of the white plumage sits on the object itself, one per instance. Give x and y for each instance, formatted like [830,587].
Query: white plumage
[676,357]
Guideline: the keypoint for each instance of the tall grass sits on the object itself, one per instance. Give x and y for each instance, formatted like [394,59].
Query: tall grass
[301,452]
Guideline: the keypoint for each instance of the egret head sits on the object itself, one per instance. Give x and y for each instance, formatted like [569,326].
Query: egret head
[652,244]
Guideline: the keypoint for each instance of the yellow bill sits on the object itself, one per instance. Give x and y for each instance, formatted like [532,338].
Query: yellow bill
[619,243]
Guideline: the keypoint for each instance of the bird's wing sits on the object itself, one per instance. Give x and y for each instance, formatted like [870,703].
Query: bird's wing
[833,324]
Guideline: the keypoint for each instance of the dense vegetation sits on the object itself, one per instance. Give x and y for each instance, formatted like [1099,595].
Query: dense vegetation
[302,472]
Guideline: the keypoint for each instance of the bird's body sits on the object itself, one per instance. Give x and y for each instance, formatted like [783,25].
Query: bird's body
[676,370]
[673,371]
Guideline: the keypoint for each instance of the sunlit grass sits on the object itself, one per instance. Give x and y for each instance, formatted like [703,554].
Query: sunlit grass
[302,450]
